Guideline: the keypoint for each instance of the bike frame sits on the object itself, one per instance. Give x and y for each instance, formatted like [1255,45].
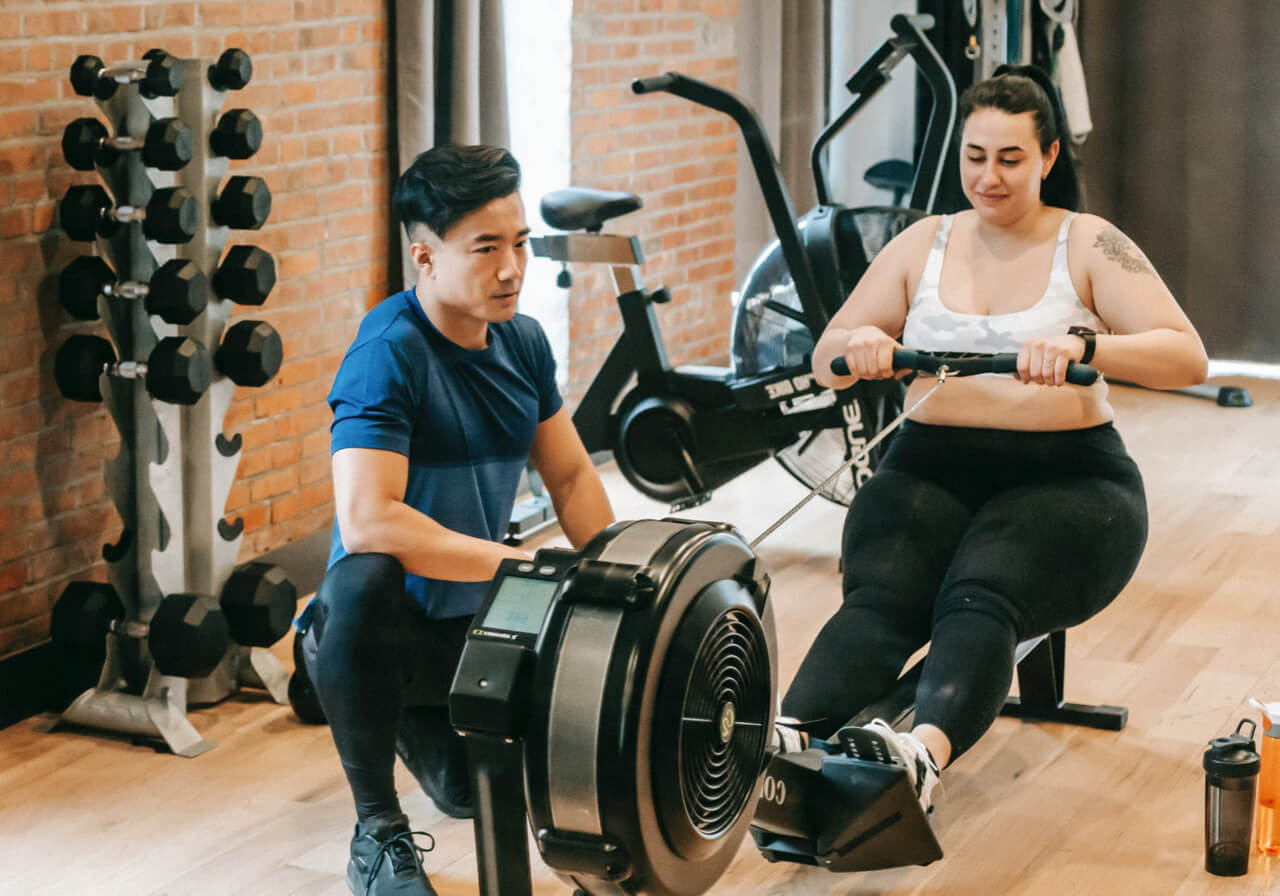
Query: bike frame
[640,352]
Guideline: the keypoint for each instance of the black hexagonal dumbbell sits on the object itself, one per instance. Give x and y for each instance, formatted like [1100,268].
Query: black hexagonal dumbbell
[259,600]
[167,145]
[250,354]
[246,276]
[159,74]
[237,135]
[232,71]
[178,371]
[172,215]
[177,292]
[187,635]
[243,204]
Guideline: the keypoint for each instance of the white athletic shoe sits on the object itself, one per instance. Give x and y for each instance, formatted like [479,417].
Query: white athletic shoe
[878,742]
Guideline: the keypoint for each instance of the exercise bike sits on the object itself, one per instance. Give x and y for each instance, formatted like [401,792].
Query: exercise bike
[679,433]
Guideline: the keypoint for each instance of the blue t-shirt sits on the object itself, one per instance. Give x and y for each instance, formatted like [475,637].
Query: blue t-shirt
[465,418]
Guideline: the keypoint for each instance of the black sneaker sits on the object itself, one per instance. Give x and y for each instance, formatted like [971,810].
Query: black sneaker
[385,861]
[437,757]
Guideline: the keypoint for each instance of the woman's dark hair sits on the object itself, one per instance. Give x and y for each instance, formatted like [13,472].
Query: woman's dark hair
[1025,88]
[449,181]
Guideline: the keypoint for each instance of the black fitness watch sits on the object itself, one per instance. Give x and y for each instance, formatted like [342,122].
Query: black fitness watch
[1089,342]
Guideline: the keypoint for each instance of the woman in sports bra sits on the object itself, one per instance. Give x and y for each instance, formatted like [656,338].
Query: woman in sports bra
[1007,507]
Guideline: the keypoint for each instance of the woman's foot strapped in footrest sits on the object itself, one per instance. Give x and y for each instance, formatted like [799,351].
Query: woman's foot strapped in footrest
[878,742]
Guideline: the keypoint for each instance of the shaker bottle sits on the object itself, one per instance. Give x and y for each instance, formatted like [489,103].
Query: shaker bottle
[1267,822]
[1231,775]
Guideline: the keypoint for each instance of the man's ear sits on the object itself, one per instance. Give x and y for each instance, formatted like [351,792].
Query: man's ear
[420,253]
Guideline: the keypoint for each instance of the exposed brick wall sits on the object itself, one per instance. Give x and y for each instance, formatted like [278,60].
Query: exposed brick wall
[319,87]
[680,158]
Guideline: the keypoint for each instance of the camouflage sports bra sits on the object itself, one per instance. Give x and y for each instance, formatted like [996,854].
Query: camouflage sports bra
[931,326]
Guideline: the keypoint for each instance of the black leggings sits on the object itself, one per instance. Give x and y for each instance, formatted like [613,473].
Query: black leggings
[382,672]
[971,540]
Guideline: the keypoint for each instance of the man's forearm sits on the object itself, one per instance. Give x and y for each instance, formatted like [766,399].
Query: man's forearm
[424,547]
[582,506]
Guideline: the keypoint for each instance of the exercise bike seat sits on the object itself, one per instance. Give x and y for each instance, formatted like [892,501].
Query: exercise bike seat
[894,175]
[582,208]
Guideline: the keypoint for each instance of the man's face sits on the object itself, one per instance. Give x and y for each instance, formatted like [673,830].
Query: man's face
[474,274]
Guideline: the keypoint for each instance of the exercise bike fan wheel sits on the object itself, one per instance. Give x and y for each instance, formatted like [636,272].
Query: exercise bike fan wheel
[769,332]
[652,706]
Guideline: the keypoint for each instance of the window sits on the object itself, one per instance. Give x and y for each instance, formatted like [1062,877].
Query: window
[539,56]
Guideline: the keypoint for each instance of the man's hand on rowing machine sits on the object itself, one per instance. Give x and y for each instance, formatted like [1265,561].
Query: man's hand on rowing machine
[1044,361]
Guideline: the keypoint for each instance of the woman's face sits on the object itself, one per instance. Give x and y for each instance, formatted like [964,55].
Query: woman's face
[1001,165]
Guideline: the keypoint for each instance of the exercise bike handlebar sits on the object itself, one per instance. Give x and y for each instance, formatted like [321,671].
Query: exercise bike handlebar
[875,71]
[776,199]
[967,364]
[655,84]
[922,21]
[908,40]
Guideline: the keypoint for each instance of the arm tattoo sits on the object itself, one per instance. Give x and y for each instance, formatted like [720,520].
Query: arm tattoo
[1120,249]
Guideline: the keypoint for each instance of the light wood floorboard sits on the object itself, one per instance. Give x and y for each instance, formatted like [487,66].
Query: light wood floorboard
[1032,809]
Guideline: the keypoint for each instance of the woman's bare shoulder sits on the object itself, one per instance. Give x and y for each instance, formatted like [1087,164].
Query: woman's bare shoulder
[1088,225]
[1096,239]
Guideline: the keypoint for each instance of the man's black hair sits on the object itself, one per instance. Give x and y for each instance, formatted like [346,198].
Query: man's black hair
[449,181]
[1025,88]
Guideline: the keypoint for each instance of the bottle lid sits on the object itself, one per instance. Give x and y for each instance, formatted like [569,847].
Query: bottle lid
[1235,755]
[1270,716]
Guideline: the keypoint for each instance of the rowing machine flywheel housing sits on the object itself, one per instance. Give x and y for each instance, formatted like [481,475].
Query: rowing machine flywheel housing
[651,709]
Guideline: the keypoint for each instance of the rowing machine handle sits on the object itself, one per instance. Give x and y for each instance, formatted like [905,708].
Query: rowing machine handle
[906,359]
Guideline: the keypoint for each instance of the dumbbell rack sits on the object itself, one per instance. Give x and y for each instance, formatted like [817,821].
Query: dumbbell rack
[175,468]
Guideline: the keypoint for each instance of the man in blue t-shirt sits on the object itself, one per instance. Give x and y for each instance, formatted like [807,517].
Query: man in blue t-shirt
[443,397]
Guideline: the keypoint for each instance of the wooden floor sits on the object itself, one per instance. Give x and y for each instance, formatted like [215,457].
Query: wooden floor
[1032,809]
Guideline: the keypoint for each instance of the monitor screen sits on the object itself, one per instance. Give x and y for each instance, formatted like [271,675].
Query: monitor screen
[520,604]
